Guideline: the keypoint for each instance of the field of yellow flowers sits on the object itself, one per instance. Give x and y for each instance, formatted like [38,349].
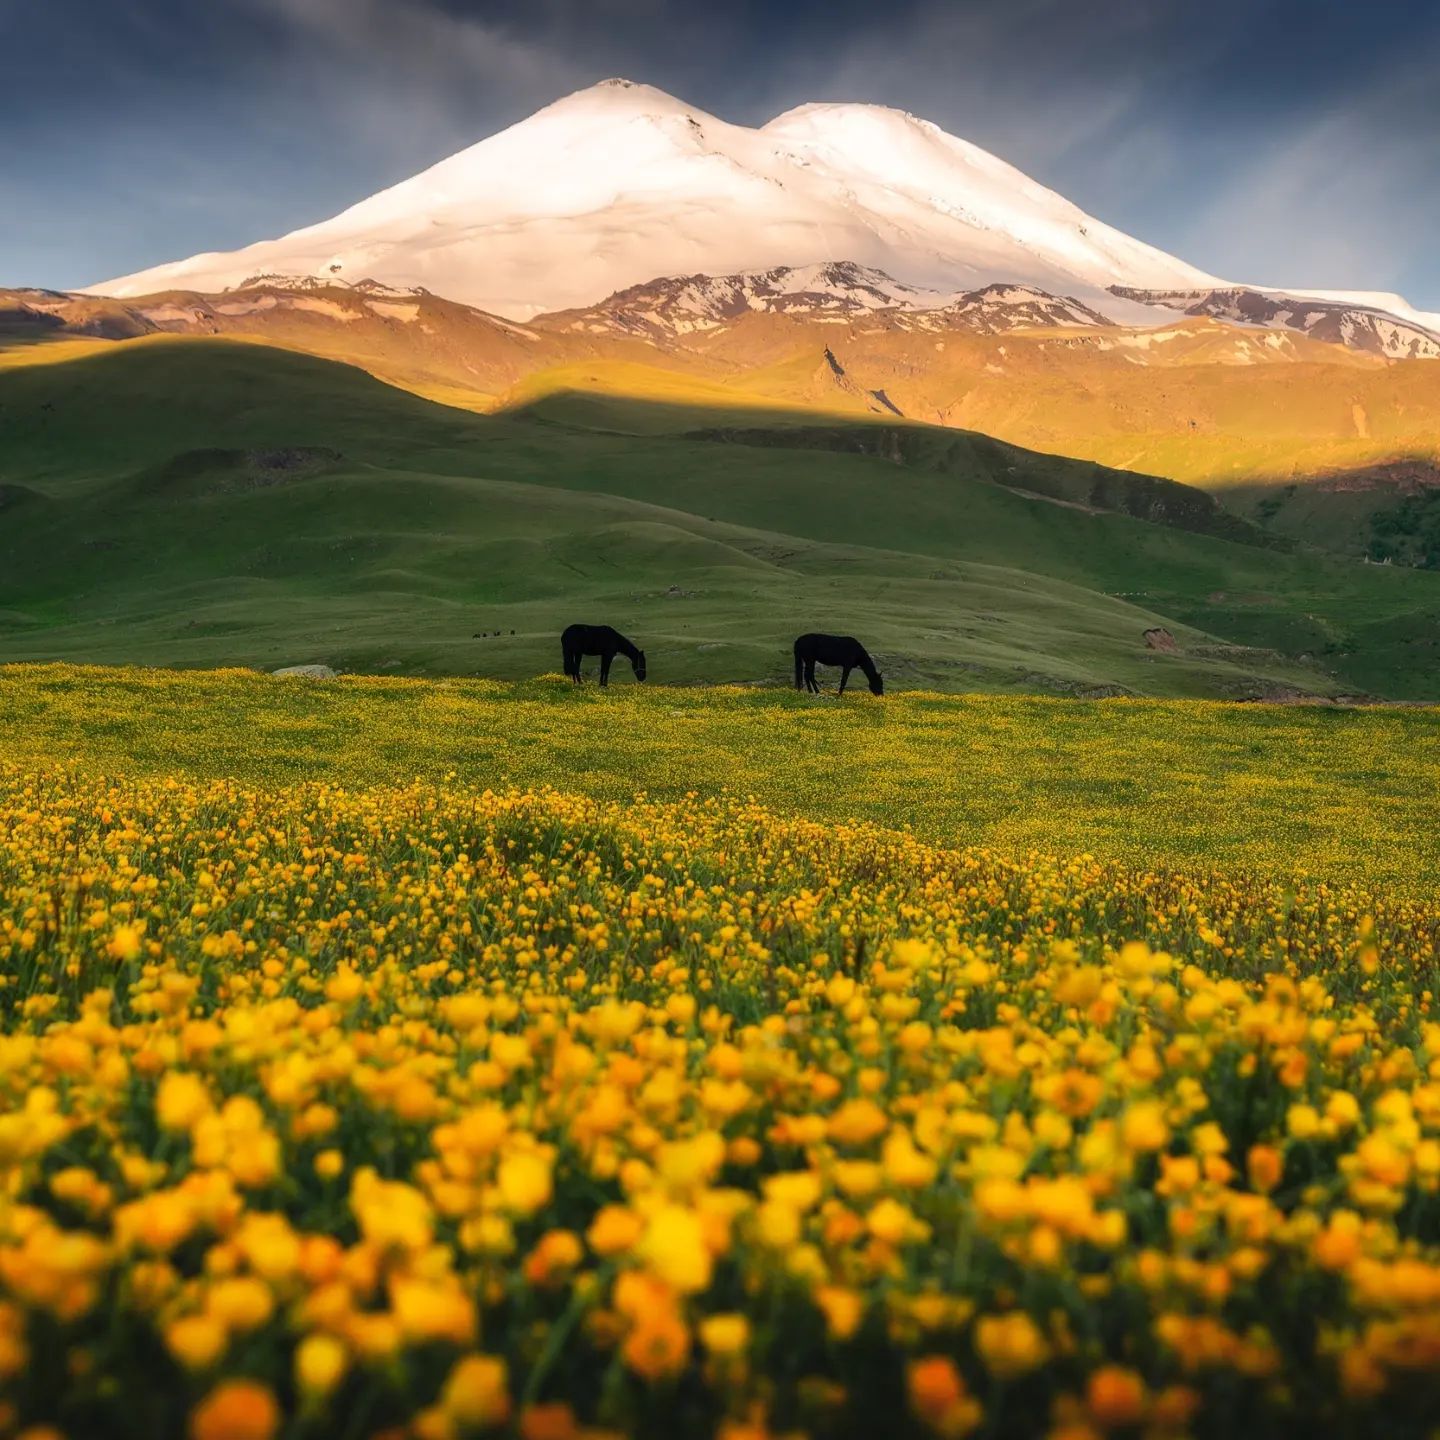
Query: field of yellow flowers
[423,1109]
[1340,795]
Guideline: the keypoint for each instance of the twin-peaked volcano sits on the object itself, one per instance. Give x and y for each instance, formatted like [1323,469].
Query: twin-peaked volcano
[617,184]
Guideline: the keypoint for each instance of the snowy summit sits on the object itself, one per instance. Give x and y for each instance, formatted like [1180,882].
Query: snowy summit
[620,183]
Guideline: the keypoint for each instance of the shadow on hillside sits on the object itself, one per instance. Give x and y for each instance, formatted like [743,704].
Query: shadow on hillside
[964,453]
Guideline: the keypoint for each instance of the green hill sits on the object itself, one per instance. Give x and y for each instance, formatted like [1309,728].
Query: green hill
[190,502]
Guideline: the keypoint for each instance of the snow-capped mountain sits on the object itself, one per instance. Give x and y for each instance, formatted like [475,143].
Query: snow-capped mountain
[619,183]
[1341,320]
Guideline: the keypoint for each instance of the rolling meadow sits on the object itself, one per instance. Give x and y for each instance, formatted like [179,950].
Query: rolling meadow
[202,502]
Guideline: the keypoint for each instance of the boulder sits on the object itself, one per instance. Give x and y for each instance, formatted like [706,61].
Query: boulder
[308,672]
[1160,638]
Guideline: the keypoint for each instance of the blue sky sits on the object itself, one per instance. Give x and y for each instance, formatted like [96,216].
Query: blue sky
[1272,141]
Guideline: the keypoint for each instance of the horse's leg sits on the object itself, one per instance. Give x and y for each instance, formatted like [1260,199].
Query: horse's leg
[812,685]
[605,659]
[844,676]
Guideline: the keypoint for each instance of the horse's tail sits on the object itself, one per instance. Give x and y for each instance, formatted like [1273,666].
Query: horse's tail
[799,668]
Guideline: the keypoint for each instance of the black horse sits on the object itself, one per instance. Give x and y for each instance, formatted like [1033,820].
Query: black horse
[598,640]
[840,650]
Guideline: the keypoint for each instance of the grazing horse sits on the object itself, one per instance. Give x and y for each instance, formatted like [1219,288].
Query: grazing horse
[598,640]
[840,650]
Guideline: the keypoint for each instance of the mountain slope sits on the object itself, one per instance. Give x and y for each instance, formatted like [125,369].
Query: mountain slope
[188,501]
[614,185]
[1319,442]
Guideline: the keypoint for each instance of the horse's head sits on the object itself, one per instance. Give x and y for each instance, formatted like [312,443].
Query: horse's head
[877,684]
[639,663]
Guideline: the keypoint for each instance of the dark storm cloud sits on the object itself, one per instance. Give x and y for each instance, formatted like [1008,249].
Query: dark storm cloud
[1265,139]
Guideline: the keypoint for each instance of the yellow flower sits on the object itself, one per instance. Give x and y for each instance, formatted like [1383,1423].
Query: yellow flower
[1339,1243]
[891,1221]
[197,1341]
[843,1309]
[1265,1165]
[1143,1127]
[1010,1345]
[270,1246]
[432,1310]
[614,1230]
[858,1178]
[674,1248]
[857,1121]
[905,1165]
[125,943]
[777,1224]
[329,1164]
[477,1391]
[389,1212]
[939,1398]
[658,1346]
[320,1364]
[1081,986]
[1116,1396]
[555,1255]
[240,1303]
[799,1189]
[236,1410]
[726,1335]
[1342,1109]
[525,1182]
[344,986]
[181,1100]
[913,954]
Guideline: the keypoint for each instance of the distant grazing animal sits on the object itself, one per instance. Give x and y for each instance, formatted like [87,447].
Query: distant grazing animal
[842,650]
[599,640]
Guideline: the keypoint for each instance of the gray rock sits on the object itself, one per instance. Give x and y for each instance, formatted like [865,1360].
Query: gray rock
[308,672]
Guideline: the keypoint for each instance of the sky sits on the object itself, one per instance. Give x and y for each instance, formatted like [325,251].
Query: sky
[1276,142]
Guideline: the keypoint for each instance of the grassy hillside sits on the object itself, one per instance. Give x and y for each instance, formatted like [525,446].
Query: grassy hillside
[1310,439]
[1321,444]
[203,502]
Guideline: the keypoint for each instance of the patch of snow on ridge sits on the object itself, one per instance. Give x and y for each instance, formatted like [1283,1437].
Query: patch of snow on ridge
[829,293]
[685,304]
[323,282]
[1356,326]
[1385,300]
